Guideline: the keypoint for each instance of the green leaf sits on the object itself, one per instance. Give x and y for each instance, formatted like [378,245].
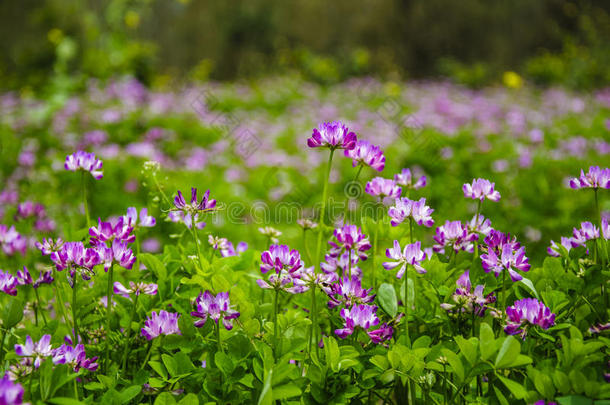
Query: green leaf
[130,393]
[387,299]
[12,312]
[266,397]
[544,385]
[189,399]
[155,265]
[514,387]
[455,363]
[331,350]
[170,365]
[574,400]
[487,343]
[468,349]
[165,398]
[158,367]
[530,286]
[64,401]
[286,391]
[508,353]
[224,363]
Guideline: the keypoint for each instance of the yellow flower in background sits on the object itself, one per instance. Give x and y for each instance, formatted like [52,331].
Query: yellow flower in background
[55,35]
[132,19]
[512,80]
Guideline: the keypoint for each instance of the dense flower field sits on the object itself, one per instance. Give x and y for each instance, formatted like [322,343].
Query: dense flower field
[281,242]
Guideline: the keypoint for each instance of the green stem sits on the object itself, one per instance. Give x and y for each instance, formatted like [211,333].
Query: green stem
[323,208]
[347,202]
[374,269]
[194,232]
[502,305]
[148,352]
[218,335]
[161,191]
[44,318]
[4,331]
[74,318]
[349,263]
[406,305]
[75,390]
[137,266]
[84,182]
[411,229]
[312,315]
[62,307]
[275,326]
[108,316]
[307,247]
[131,318]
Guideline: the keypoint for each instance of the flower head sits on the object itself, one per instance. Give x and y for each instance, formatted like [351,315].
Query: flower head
[481,189]
[11,393]
[76,257]
[38,351]
[587,232]
[504,253]
[594,178]
[134,288]
[455,235]
[527,312]
[333,135]
[554,250]
[306,223]
[467,300]
[48,246]
[24,277]
[382,188]
[348,292]
[118,253]
[8,283]
[407,180]
[280,257]
[12,241]
[216,307]
[339,265]
[110,231]
[349,238]
[410,255]
[145,220]
[366,154]
[270,232]
[195,206]
[165,323]
[417,210]
[80,160]
[480,225]
[230,250]
[363,316]
[75,357]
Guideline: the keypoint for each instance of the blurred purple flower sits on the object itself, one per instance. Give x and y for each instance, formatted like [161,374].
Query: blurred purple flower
[80,160]
[131,219]
[38,351]
[405,208]
[8,283]
[382,188]
[481,189]
[407,181]
[366,154]
[134,288]
[455,235]
[10,393]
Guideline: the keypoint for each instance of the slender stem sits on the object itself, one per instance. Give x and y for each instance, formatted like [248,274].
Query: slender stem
[4,331]
[374,270]
[84,182]
[349,262]
[127,342]
[44,318]
[137,267]
[275,332]
[323,208]
[503,287]
[476,226]
[62,307]
[75,390]
[218,335]
[148,352]
[406,305]
[411,229]
[599,217]
[347,202]
[307,247]
[194,232]
[161,191]
[74,318]
[312,315]
[108,316]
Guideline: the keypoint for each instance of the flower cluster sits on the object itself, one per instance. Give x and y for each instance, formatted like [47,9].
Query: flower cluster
[364,317]
[467,300]
[271,233]
[504,253]
[165,323]
[11,393]
[408,182]
[12,241]
[349,292]
[216,307]
[74,356]
[527,312]
[8,283]
[134,288]
[333,135]
[349,238]
[481,189]
[24,277]
[189,213]
[285,264]
[455,235]
[383,188]
[594,178]
[80,160]
[340,265]
[417,210]
[366,154]
[412,255]
[132,220]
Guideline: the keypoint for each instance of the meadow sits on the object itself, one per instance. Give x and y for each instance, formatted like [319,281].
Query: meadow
[279,241]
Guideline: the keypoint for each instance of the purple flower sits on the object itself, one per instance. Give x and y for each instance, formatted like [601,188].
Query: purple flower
[554,249]
[383,333]
[165,323]
[587,232]
[481,189]
[382,188]
[363,316]
[366,154]
[349,292]
[405,208]
[306,278]
[406,180]
[271,233]
[29,209]
[134,288]
[599,328]
[526,312]
[349,238]
[594,178]
[74,357]
[333,135]
[10,393]
[76,256]
[24,277]
[131,219]
[306,224]
[118,253]
[48,246]
[454,234]
[339,265]
[502,253]
[230,250]
[38,351]
[605,228]
[192,211]
[467,300]
[186,219]
[8,283]
[11,241]
[480,225]
[217,242]
[106,231]
[410,255]
[80,160]
[280,257]
[216,308]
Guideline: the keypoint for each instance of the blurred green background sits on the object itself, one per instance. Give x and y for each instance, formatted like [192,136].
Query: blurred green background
[473,42]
